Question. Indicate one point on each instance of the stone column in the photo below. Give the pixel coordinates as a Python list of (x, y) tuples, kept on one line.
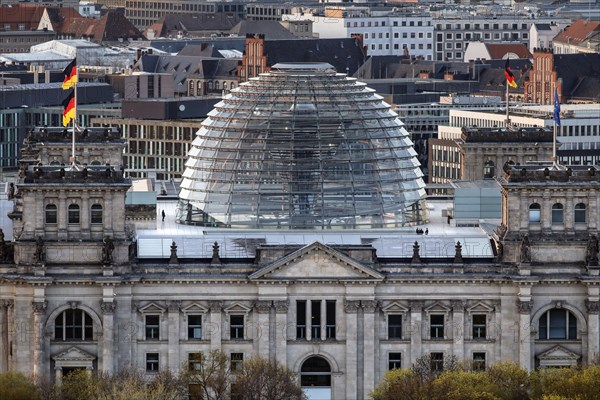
[(458, 334), (263, 338), (108, 336), (308, 319), (85, 215), (593, 309), (415, 330), (107, 215), (4, 332), (369, 346), (62, 215), (39, 310), (351, 347), (323, 319), (173, 331), (568, 216), (281, 331), (546, 210), (525, 333), (216, 324)]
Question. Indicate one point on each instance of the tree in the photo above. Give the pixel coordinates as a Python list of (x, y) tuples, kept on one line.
[(16, 386), (400, 384), (465, 385), (513, 381), (261, 379), (209, 378)]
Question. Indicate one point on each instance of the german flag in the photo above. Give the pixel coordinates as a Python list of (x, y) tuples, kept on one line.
[(70, 74), (510, 78), (69, 108)]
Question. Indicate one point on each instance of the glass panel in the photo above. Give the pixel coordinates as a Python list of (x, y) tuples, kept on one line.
[(96, 214), (394, 326), (558, 324)]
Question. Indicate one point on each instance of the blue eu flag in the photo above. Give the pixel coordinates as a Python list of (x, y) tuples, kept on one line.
[(556, 107)]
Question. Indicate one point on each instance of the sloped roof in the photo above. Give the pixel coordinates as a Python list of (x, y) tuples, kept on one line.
[(543, 27), (498, 51), (493, 78), (189, 23), (21, 14), (271, 29), (111, 27), (59, 16), (346, 55), (577, 32), (580, 75)]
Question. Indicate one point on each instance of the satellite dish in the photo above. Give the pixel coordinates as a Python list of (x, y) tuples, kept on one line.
[(181, 107)]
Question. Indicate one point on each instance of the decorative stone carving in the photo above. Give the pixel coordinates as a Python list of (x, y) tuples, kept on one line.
[(281, 306), (416, 258), (173, 258), (369, 306), (591, 256), (73, 304), (108, 307), (351, 306), (499, 251), (215, 305), (39, 307), (216, 259), (593, 307), (263, 306), (6, 303), (458, 305), (525, 250), (40, 251), (416, 305), (107, 250), (524, 306), (458, 253)]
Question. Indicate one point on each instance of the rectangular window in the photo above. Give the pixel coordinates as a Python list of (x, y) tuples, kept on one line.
[(237, 359), (195, 361), (96, 214), (152, 362), (394, 361), (479, 361), (436, 325), (301, 319), (394, 326), (330, 319), (316, 319), (437, 361), (194, 326), (479, 326), (152, 327), (236, 327)]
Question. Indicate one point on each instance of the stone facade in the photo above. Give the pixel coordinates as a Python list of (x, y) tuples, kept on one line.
[(342, 303)]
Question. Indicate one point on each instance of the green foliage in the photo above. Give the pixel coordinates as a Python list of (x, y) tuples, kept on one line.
[(463, 385), (401, 384), (16, 386), (261, 379), (513, 381)]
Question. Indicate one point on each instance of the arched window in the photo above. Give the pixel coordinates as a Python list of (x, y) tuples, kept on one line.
[(224, 85), (96, 214), (535, 213), (580, 213), (192, 88), (210, 85), (51, 214), (95, 163), (556, 324), (315, 372), (73, 324), (557, 213), (216, 85), (73, 214), (488, 170)]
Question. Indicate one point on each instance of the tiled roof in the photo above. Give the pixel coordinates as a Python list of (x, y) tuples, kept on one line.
[(580, 74), (30, 15), (111, 27), (498, 51), (194, 23), (577, 31), (271, 29)]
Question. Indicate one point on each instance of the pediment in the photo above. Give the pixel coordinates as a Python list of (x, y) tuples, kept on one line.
[(437, 307), (394, 308), (558, 352), (74, 354), (237, 308), (194, 308), (152, 308), (480, 308), (316, 261)]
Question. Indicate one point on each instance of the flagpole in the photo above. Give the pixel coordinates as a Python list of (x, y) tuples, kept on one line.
[(74, 117), (554, 160), (507, 104)]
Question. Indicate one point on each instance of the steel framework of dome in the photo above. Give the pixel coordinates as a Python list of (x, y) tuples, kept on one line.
[(302, 147)]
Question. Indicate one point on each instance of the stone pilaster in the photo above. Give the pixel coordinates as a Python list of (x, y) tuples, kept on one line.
[(108, 336), (593, 311), (39, 310), (5, 305), (173, 331), (351, 308), (62, 215), (281, 333), (458, 324), (369, 345), (308, 320), (216, 324), (524, 308), (85, 215), (263, 307), (415, 330)]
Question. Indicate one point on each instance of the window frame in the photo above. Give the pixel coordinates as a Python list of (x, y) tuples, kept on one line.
[(82, 331), (191, 328), (580, 213), (151, 328), (437, 327), (74, 214), (547, 328), (51, 210), (96, 214), (535, 213), (394, 331), (558, 214), (394, 360), (236, 361), (479, 363), (152, 364), (237, 328), (479, 330)]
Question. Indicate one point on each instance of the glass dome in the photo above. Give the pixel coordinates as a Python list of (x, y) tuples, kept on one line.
[(302, 147)]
